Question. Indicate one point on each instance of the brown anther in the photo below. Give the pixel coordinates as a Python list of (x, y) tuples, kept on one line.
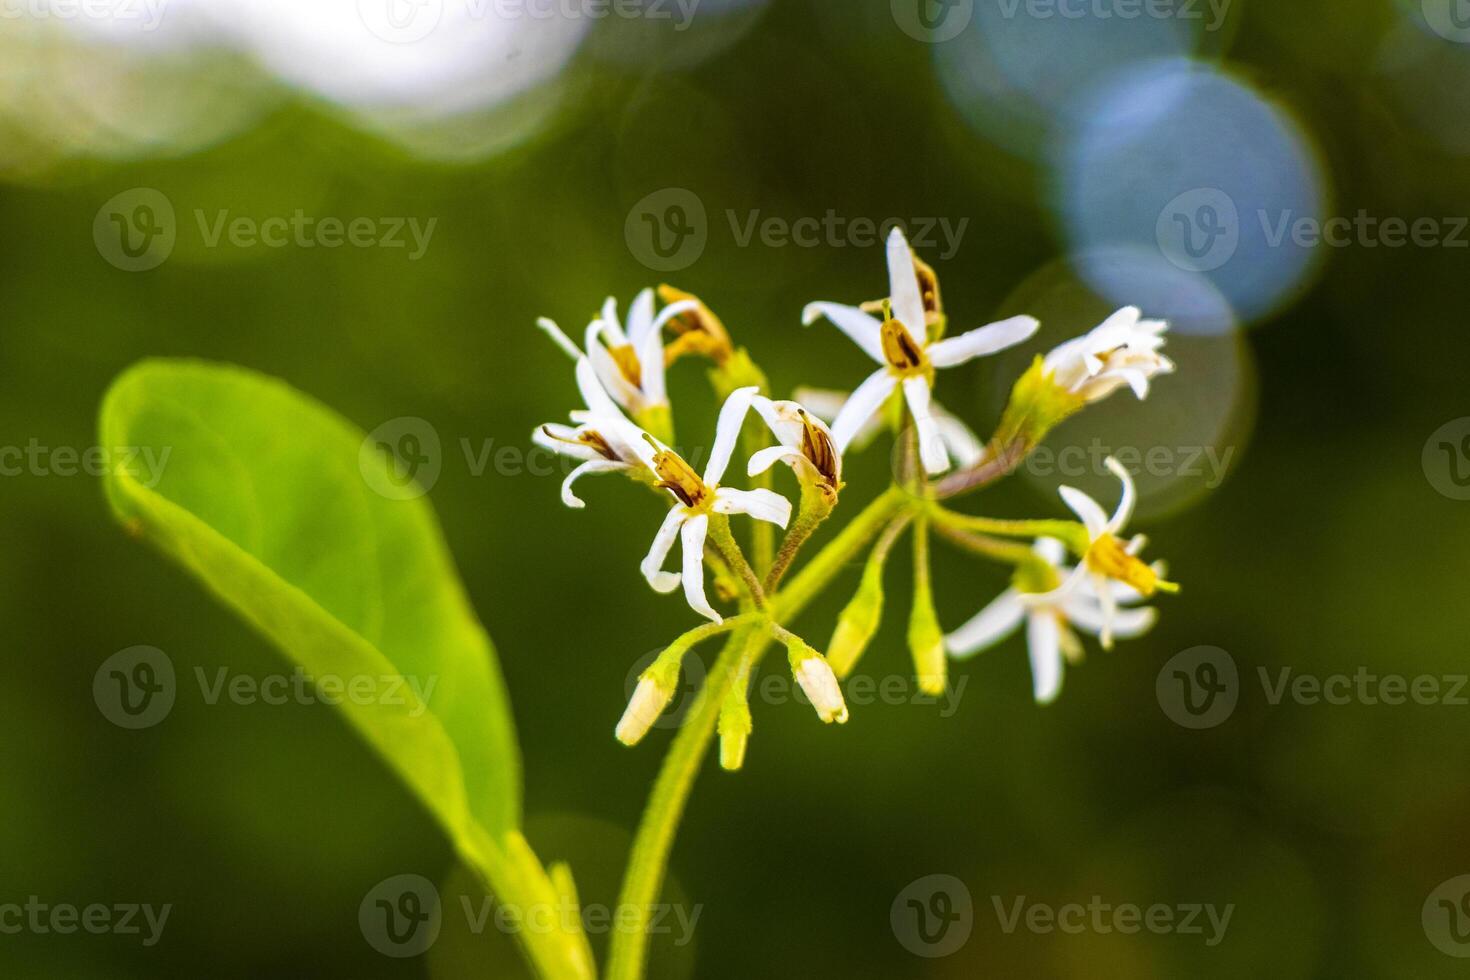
[(700, 331), (903, 353), (679, 478), (817, 446), (586, 437)]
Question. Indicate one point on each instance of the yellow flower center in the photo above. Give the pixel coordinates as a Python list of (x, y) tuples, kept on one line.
[(1108, 556), (905, 356), (626, 358), (679, 478)]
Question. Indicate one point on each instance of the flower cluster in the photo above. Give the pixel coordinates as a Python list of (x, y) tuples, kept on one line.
[(627, 427)]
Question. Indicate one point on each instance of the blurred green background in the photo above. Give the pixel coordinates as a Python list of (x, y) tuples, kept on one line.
[(1334, 542)]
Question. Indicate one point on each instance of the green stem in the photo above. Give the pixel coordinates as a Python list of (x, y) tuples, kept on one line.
[(647, 863), (1070, 533), (655, 838), (815, 508)]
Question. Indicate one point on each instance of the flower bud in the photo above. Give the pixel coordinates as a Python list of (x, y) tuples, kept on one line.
[(648, 702), (858, 622), (815, 676), (734, 728), (926, 644)]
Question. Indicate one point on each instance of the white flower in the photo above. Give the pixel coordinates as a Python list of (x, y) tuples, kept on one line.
[(965, 448), (603, 438), (901, 345), (629, 361), (1123, 349), (1049, 618), (806, 445), (695, 497), (1107, 558)]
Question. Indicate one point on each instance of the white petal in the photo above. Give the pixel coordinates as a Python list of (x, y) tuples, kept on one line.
[(931, 446), (982, 340), (561, 339), (783, 418), (591, 466), (1088, 615), (1117, 329), (640, 318), (562, 440), (762, 504), (987, 627), (727, 431), (1051, 550), (1109, 607), (1127, 501), (824, 403), (651, 368), (862, 405), (609, 375), (965, 448), (672, 310), (593, 393), (1044, 642), (903, 285), (691, 539), (610, 324), (662, 541), (1089, 510), (764, 459), (865, 330)]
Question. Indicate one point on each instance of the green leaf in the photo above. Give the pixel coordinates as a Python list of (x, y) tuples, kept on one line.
[(265, 498)]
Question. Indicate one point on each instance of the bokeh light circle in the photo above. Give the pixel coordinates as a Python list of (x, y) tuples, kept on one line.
[(1177, 158)]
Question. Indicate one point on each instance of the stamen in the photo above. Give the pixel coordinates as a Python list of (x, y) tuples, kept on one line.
[(626, 358), (1108, 556), (679, 478), (902, 352)]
